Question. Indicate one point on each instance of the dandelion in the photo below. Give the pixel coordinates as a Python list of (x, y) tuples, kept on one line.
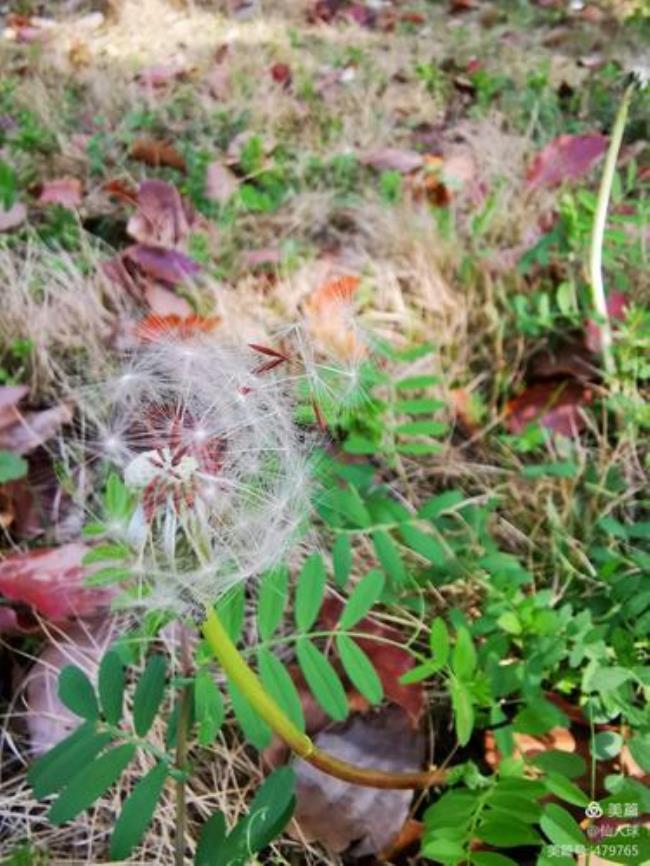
[(203, 436)]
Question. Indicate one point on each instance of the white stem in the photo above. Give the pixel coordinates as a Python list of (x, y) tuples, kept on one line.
[(599, 298)]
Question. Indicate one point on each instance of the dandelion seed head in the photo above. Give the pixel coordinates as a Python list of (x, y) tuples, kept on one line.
[(219, 470)]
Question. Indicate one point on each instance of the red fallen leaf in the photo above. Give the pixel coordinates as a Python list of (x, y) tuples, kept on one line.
[(66, 191), (361, 15), (474, 65), (617, 305), (154, 152), (265, 256), (169, 266), (555, 405), (51, 580), (410, 833), (12, 218), (121, 189), (393, 159), (164, 302), (391, 662), (281, 74), (162, 219), (567, 157), (160, 75), (413, 17), (457, 6), (220, 183), (153, 327), (352, 818)]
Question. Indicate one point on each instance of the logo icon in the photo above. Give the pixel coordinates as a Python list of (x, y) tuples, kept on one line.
[(594, 810)]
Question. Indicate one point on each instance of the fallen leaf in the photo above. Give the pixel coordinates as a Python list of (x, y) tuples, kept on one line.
[(31, 429), (410, 833), (122, 190), (281, 74), (555, 405), (526, 745), (65, 191), (264, 256), (220, 183), (51, 581), (162, 219), (391, 662), (168, 266), (392, 159), (567, 157), (48, 719), (154, 152), (353, 818), (10, 397), (155, 327), (163, 302), (160, 75), (329, 317), (12, 218)]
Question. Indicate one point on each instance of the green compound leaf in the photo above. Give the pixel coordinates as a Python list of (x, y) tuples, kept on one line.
[(322, 679), (359, 668), (271, 808), (51, 772), (309, 592), (90, 783), (76, 691), (209, 708), (342, 560), (256, 731), (280, 686), (110, 685), (423, 544), (148, 694), (463, 655), (272, 601), (461, 702), (137, 812), (364, 595), (560, 826), (388, 555), (439, 643), (211, 841)]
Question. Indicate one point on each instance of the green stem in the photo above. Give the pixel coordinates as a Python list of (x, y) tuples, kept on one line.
[(250, 686), (181, 753), (599, 297)]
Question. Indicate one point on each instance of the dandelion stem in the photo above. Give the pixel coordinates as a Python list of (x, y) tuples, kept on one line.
[(247, 682), (599, 298), (181, 752)]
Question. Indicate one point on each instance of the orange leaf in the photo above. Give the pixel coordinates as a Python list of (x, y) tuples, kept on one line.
[(154, 152), (153, 327)]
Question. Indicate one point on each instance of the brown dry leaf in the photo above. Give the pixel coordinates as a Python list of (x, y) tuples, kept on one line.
[(557, 739), (162, 219), (65, 191), (154, 152), (346, 817), (555, 405), (392, 159), (220, 183), (12, 218)]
